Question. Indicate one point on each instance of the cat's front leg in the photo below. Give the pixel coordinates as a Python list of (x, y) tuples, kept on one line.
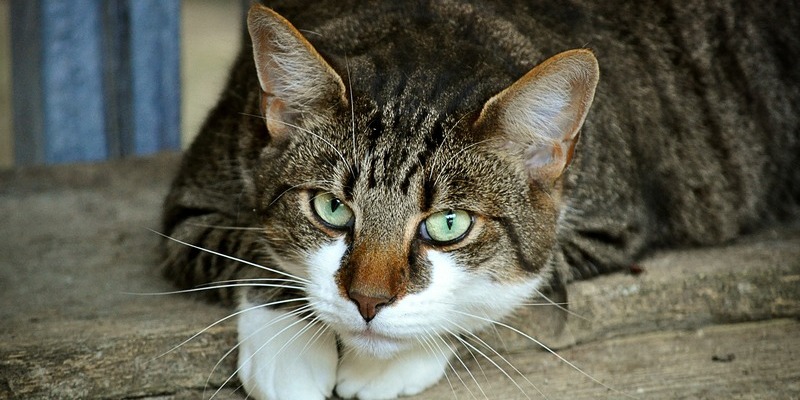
[(408, 372), (284, 357)]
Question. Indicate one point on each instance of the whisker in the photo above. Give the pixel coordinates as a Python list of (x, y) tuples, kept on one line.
[(461, 361), (221, 320), (313, 340), (216, 253), (304, 130), (254, 353), (226, 227), (549, 350), (352, 106), (434, 338), (287, 343), (495, 352), (444, 141), (200, 289), (423, 340), (561, 306), (252, 280), (318, 137), (317, 183), (446, 164), (239, 343)]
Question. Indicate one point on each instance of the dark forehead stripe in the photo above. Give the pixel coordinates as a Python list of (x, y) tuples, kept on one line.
[(397, 152), (350, 180)]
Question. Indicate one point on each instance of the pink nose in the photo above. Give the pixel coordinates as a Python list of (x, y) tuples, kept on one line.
[(368, 306)]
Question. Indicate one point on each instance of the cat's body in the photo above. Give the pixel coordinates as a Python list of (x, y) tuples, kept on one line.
[(693, 138)]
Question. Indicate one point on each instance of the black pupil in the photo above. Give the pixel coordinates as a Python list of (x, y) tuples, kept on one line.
[(335, 203), (449, 218)]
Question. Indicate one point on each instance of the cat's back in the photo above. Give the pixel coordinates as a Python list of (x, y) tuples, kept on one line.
[(693, 138)]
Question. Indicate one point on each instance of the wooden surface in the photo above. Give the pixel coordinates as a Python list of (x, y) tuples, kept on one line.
[(718, 323)]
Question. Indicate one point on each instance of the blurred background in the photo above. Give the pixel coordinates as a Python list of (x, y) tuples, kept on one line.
[(209, 40)]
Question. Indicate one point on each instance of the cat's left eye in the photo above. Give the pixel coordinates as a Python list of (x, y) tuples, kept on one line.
[(331, 210), (446, 227)]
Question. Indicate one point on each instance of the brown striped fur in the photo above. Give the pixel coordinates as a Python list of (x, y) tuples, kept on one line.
[(693, 139)]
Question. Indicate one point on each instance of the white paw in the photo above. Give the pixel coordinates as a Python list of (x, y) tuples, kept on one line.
[(409, 372), (282, 358)]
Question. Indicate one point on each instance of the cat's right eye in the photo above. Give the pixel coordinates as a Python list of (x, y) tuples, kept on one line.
[(446, 227), (332, 211)]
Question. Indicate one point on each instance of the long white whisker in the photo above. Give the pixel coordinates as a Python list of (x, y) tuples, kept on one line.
[(259, 330), (245, 280), (424, 341), (434, 337), (561, 306), (313, 340), (216, 253), (461, 361), (549, 350), (352, 106), (484, 344), (253, 355), (308, 131), (219, 321), (502, 370), (432, 342), (228, 227), (200, 289), (447, 164), (318, 137), (444, 141), (289, 341)]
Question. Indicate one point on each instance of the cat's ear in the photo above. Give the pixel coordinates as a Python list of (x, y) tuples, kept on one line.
[(539, 117), (295, 80)]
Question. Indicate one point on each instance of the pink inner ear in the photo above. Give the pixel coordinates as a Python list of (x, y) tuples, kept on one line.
[(540, 156), (541, 114), (275, 114), (548, 161)]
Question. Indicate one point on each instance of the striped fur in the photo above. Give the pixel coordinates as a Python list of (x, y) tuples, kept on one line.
[(693, 139)]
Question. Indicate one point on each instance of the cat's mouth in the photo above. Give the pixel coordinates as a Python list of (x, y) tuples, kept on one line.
[(376, 343)]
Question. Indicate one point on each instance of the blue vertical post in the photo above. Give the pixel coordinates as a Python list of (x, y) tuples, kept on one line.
[(94, 79), (155, 66), (64, 102)]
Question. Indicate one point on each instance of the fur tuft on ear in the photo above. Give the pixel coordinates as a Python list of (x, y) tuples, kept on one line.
[(539, 117), (295, 80)]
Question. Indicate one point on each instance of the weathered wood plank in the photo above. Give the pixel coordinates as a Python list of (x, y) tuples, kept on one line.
[(76, 242), (754, 360)]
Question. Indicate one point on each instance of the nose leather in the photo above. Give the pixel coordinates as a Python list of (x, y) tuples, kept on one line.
[(368, 306)]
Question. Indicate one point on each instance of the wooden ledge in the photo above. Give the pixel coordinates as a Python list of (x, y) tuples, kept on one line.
[(698, 323)]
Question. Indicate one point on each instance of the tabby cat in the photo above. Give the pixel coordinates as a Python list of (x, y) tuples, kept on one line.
[(379, 176)]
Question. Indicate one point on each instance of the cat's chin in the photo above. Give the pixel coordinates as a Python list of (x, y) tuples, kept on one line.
[(374, 344)]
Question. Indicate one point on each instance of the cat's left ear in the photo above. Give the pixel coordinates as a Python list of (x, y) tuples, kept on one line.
[(296, 81), (539, 117)]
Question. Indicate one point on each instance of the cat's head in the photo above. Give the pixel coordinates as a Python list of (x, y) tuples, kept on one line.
[(408, 221)]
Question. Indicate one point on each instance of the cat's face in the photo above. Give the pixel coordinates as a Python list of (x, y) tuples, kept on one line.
[(430, 228), (416, 223)]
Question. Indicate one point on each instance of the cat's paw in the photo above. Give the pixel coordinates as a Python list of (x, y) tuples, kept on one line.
[(281, 359), (408, 373)]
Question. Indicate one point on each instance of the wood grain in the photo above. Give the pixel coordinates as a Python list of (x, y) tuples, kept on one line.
[(77, 245)]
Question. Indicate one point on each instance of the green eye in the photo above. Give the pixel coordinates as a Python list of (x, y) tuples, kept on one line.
[(446, 227), (331, 210)]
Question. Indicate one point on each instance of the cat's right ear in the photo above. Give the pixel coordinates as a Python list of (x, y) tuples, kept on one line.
[(538, 118), (296, 82)]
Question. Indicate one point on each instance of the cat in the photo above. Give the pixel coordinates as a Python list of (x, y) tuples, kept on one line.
[(378, 177)]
